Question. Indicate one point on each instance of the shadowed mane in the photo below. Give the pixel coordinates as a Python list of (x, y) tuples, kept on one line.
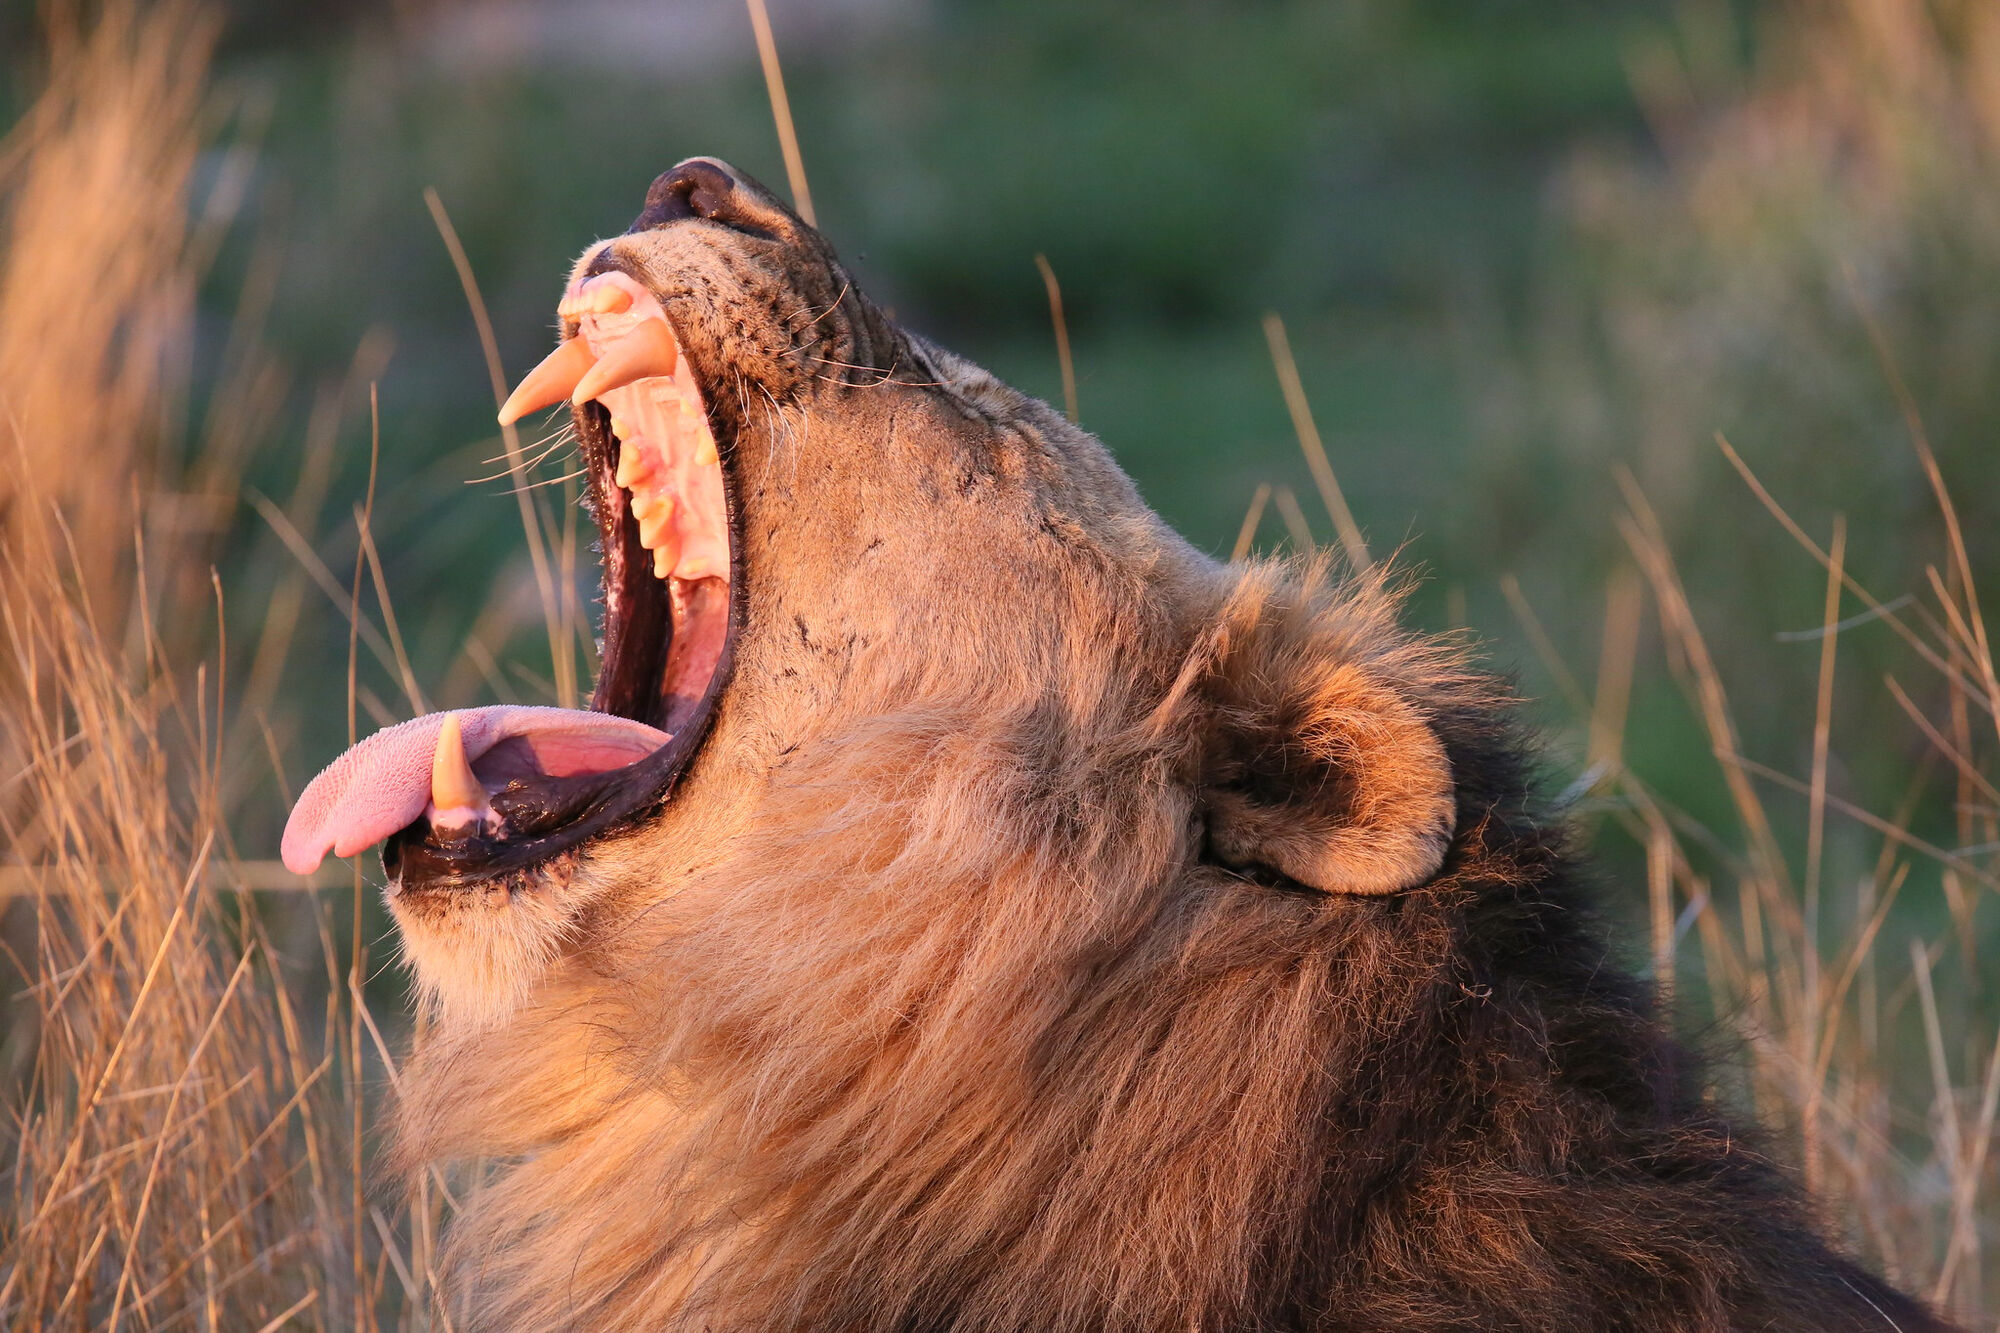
[(970, 1033)]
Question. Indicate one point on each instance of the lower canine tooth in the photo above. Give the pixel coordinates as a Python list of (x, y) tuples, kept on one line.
[(455, 788)]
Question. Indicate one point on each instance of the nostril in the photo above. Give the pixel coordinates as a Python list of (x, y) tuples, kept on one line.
[(705, 202), (708, 194)]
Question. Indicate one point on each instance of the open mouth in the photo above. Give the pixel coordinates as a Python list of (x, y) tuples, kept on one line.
[(467, 797)]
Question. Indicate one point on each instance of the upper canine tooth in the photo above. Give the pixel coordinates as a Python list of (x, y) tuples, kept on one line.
[(550, 382), (647, 350)]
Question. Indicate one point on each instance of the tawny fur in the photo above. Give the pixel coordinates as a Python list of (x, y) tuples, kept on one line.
[(1061, 932)]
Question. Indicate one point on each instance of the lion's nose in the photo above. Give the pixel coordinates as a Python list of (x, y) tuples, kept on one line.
[(703, 187)]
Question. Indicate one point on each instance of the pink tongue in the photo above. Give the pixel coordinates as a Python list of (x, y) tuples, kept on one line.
[(384, 783)]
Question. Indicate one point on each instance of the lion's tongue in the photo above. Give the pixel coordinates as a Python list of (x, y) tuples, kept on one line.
[(384, 783)]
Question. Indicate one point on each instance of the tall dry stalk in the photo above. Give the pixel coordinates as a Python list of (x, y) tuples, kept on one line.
[(1837, 955), (1809, 256), (1869, 1033)]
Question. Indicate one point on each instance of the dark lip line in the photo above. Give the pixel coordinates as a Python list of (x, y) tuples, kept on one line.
[(579, 809)]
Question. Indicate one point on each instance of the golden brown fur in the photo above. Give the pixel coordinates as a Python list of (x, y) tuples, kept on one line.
[(1059, 931)]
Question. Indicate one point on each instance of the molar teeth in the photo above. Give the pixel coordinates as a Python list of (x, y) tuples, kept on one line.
[(621, 428), (633, 465), (665, 543), (653, 518), (704, 452)]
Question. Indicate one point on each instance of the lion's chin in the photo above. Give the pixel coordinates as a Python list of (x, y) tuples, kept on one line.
[(477, 953)]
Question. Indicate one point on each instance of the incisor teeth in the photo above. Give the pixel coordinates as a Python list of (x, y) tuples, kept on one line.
[(604, 298), (550, 382), (646, 351), (596, 297), (454, 786)]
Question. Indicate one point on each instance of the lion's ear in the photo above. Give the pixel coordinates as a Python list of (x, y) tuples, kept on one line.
[(1346, 790)]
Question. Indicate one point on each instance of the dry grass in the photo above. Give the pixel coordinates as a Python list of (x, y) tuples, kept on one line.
[(92, 349), (1810, 257), (191, 1069), (178, 1157), (185, 1140), (1825, 987)]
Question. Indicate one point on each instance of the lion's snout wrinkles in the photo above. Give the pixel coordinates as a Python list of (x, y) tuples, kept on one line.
[(1049, 928)]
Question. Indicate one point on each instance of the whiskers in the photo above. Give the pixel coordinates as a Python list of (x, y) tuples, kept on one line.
[(560, 445), (811, 319), (883, 378)]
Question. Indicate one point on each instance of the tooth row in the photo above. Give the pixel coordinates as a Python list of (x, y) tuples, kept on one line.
[(626, 359)]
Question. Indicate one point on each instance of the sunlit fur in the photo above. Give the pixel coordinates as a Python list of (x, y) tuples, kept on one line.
[(1060, 931), (477, 956)]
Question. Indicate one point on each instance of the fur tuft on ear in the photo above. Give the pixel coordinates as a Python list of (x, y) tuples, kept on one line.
[(1320, 764)]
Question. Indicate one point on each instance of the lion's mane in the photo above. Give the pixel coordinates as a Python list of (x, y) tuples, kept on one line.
[(968, 1032)]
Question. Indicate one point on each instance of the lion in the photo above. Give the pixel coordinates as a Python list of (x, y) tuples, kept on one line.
[(968, 906)]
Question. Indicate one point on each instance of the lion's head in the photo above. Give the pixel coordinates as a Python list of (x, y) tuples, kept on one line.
[(941, 867), (816, 528)]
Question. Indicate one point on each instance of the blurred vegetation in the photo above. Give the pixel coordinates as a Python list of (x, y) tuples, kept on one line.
[(1378, 173), (1533, 257)]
